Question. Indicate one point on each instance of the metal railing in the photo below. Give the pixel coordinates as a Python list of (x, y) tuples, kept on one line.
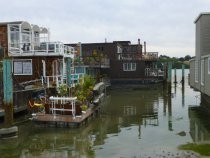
[(150, 72), (150, 56), (52, 81), (44, 48)]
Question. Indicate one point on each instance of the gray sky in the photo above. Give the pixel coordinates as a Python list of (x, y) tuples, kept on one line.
[(166, 25)]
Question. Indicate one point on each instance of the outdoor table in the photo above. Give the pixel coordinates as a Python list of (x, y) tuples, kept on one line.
[(63, 100)]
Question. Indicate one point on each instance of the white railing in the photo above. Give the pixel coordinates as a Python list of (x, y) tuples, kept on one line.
[(62, 101), (150, 56), (44, 48), (52, 81), (153, 72)]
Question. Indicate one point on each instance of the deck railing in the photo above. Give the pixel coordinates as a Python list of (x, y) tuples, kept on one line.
[(62, 101), (150, 56), (52, 81), (150, 72), (44, 48)]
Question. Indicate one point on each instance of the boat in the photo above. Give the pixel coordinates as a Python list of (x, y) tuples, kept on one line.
[(8, 132), (99, 92)]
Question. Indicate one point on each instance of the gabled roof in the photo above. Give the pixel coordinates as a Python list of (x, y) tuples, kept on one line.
[(204, 13)]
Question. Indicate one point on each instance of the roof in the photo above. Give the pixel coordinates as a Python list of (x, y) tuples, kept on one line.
[(199, 16), (11, 22), (26, 25)]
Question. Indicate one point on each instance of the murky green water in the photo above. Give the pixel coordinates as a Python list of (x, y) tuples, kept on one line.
[(133, 123)]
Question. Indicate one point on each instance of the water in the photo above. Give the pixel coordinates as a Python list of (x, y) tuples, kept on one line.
[(143, 122)]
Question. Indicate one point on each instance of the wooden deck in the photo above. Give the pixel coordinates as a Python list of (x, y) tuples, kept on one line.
[(65, 120)]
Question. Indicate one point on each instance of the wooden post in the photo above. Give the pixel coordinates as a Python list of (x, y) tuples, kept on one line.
[(169, 72), (68, 68), (8, 91), (175, 79), (183, 99), (169, 78), (183, 67)]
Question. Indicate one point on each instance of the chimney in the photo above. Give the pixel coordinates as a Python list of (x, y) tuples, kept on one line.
[(145, 47), (138, 41)]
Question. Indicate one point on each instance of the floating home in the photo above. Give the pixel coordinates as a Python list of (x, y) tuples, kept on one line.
[(120, 61), (35, 62), (200, 65), (35, 66)]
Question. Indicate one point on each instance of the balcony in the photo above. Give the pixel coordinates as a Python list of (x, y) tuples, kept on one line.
[(25, 39), (150, 56), (44, 49), (100, 63)]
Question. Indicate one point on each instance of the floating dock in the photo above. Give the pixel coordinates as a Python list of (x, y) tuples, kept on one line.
[(59, 120)]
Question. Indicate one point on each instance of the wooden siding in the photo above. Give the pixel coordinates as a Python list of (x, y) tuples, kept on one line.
[(36, 68), (3, 37), (206, 78), (192, 73), (202, 36), (108, 49), (117, 70)]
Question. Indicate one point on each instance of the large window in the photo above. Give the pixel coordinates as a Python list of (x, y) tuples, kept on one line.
[(202, 72), (129, 66), (22, 67), (14, 36), (196, 71)]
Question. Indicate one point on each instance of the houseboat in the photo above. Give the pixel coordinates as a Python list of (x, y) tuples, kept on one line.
[(37, 63), (200, 65), (120, 61)]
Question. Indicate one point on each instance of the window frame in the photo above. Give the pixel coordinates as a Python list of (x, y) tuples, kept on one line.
[(129, 66), (22, 67)]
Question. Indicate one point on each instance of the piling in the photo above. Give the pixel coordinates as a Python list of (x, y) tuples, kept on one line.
[(169, 78), (8, 91), (182, 81), (183, 68), (175, 79)]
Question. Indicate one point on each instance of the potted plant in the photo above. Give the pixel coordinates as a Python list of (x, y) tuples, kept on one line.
[(63, 90)]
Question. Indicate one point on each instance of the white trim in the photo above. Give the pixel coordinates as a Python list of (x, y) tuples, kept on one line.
[(202, 72), (44, 68), (196, 71), (129, 66)]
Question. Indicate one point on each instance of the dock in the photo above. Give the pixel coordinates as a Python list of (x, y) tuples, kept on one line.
[(59, 120)]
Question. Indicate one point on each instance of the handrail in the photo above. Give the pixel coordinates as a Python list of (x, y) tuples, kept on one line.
[(47, 48), (63, 100)]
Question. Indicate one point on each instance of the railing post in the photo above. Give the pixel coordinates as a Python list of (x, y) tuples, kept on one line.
[(57, 83), (48, 82), (175, 80)]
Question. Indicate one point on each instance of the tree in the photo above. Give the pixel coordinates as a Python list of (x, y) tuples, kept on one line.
[(187, 57)]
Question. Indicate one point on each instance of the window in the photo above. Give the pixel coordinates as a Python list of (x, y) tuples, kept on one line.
[(22, 67), (14, 36), (129, 66), (196, 71), (202, 72), (209, 65)]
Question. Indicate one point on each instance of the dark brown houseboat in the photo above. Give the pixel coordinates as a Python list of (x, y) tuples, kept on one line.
[(128, 64)]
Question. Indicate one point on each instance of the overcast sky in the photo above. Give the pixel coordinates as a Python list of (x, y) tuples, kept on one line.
[(166, 25)]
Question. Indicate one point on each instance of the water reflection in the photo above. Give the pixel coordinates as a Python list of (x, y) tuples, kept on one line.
[(132, 121), (199, 124)]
